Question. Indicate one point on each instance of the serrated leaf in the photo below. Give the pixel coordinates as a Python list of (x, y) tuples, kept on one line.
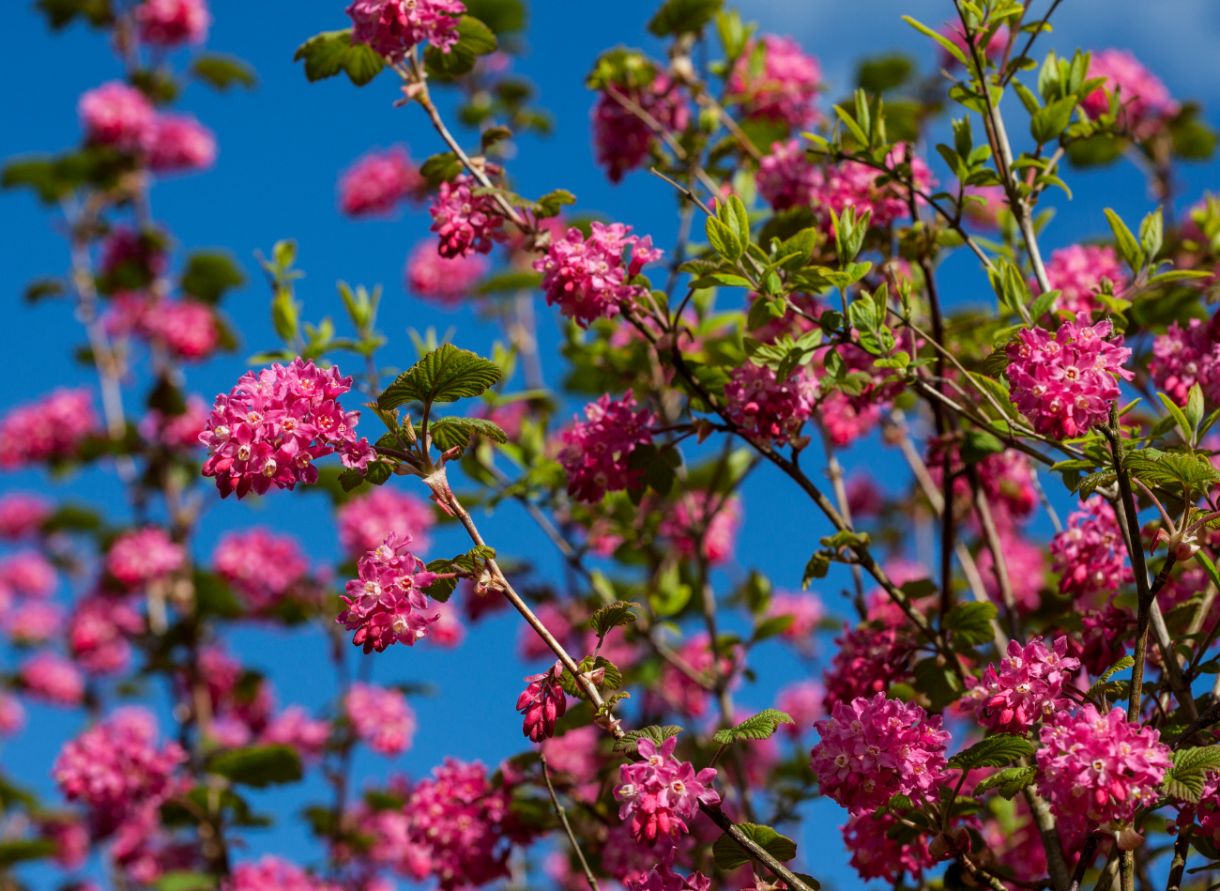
[(222, 72), (761, 726), (1185, 784), (728, 854), (1206, 758), (441, 168), (683, 16), (331, 52), (1122, 664), (446, 374), (971, 623), (657, 734), (258, 766), (621, 612), (1008, 782), (994, 751), (474, 39), (449, 432), (473, 562)]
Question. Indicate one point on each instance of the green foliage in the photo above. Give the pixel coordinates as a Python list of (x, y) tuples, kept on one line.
[(53, 178), (223, 72), (1048, 123), (971, 623), (1009, 781), (333, 52), (994, 751), (450, 432), (936, 681), (882, 73), (683, 16), (24, 850), (473, 563), (501, 16), (628, 744), (1185, 780), (760, 726), (609, 617), (729, 854), (209, 274), (185, 881), (258, 766), (474, 39), (446, 374), (62, 13)]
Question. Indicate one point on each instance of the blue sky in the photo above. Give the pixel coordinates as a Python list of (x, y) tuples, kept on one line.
[(281, 149)]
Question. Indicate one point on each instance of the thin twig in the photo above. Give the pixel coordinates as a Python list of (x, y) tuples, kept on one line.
[(563, 818)]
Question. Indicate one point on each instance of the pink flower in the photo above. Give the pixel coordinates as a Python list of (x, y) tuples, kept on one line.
[(986, 213), (98, 632), (588, 278), (575, 754), (1100, 767), (863, 497), (803, 701), (1026, 563), (874, 855), (180, 143), (378, 182), (263, 566), (846, 421), (1065, 382), (456, 819), (176, 431), (659, 792), (273, 874), (1028, 687), (447, 280), (1183, 357), (28, 574), (136, 256), (766, 409), (71, 840), (542, 703), (385, 605), (144, 555), (621, 140), (595, 453), (806, 612), (366, 520), (786, 178), (1146, 102), (682, 692), (273, 425), (391, 27), (22, 514), (953, 30), (293, 727), (51, 677), (12, 715), (466, 223), (873, 749), (380, 717), (118, 115), (1077, 271), (186, 328), (447, 630), (1090, 554), (172, 22), (783, 88), (688, 524), (663, 878), (34, 622), (852, 184), (1104, 633), (48, 430)]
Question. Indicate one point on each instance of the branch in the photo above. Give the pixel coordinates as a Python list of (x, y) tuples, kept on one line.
[(563, 818)]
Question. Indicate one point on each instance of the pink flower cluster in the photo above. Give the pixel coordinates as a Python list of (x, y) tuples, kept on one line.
[(867, 661), (22, 514), (293, 727), (1146, 102), (684, 694), (366, 520), (180, 143), (1100, 767), (803, 701), (392, 27), (274, 874), (875, 748), (595, 451), (806, 611), (1028, 687), (172, 22), (688, 521), (34, 621), (620, 139), (1105, 632), (98, 633), (1090, 554), (1077, 271), (542, 703), (187, 328), (144, 555), (273, 425), (784, 89), (263, 566), (456, 823), (874, 855), (1065, 381), (447, 280), (385, 605), (28, 573), (381, 718), (47, 430), (663, 878), (116, 768), (121, 117), (587, 278), (49, 676), (1183, 357), (766, 409), (378, 182), (466, 223), (659, 792)]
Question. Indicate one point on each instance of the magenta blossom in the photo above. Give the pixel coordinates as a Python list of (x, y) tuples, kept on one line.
[(180, 143), (274, 874), (588, 278), (620, 138), (1183, 357), (50, 429), (378, 182), (22, 514), (783, 88), (392, 27), (52, 678), (173, 22), (1145, 101), (144, 555), (263, 566), (1027, 688), (98, 634), (688, 525), (766, 409), (466, 223), (447, 280), (381, 718), (1077, 271), (542, 703), (659, 792), (119, 116), (595, 453), (385, 605), (1090, 554), (366, 520), (875, 855)]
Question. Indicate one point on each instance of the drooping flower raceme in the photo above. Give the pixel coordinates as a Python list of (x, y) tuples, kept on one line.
[(767, 409), (173, 22), (262, 566), (1028, 687), (1064, 382), (1183, 357), (447, 280), (50, 429), (1077, 271), (144, 555), (1100, 767), (659, 793), (1090, 554), (786, 86), (118, 116), (595, 451), (587, 278), (381, 718), (542, 703), (620, 138), (663, 878), (391, 27), (875, 748), (273, 425), (385, 605), (377, 182), (466, 223)]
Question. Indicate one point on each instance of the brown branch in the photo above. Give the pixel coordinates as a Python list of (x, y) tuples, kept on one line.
[(563, 818)]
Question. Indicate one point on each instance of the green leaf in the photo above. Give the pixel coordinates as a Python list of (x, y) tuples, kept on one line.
[(473, 563), (877, 75), (937, 682), (724, 240), (185, 881), (949, 46), (1009, 781), (971, 623), (441, 168), (606, 619), (1194, 408), (552, 203), (761, 726), (222, 72), (61, 13), (209, 274), (768, 628), (1042, 304), (1152, 234), (1122, 664), (19, 851), (1128, 247), (332, 52), (728, 854), (258, 766), (214, 597), (1204, 758), (994, 751), (657, 734), (683, 16), (446, 374), (1184, 785), (474, 39), (510, 281), (449, 432), (1047, 123), (816, 568)]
